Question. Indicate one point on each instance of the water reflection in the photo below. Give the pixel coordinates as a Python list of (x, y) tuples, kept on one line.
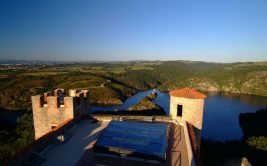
[(221, 111), (127, 103), (163, 99), (220, 121), (221, 114), (246, 98)]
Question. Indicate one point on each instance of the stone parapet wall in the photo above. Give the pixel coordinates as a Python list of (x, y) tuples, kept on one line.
[(190, 154), (194, 144), (132, 117)]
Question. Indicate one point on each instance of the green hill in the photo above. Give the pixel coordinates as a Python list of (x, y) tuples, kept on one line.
[(248, 78), (146, 104), (126, 78)]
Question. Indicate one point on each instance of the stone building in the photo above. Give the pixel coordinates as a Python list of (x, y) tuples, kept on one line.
[(188, 105), (156, 140), (53, 108)]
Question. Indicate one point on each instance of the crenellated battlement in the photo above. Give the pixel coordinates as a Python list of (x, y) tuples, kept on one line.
[(60, 98), (52, 108), (78, 93)]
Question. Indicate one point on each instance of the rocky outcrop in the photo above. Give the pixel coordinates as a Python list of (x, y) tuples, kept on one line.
[(207, 86), (249, 83), (109, 102), (256, 83), (146, 103)]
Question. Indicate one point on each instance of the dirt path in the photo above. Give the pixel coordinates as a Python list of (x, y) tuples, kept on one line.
[(107, 81)]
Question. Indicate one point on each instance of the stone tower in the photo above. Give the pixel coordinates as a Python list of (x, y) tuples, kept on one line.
[(53, 108), (188, 105)]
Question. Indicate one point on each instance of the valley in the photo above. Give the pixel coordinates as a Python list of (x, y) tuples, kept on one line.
[(111, 83)]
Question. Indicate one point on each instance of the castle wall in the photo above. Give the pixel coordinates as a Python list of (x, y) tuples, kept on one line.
[(53, 109), (86, 106), (40, 117)]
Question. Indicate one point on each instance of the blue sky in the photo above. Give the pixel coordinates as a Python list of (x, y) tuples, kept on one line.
[(206, 30)]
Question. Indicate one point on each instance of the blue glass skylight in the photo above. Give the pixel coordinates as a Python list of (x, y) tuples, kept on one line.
[(134, 137)]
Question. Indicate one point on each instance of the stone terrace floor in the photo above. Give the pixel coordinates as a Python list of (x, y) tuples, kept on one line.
[(85, 134), (78, 150)]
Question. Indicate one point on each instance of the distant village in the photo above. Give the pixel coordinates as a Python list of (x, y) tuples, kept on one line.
[(20, 67)]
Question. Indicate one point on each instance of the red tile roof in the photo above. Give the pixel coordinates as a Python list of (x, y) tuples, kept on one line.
[(187, 93)]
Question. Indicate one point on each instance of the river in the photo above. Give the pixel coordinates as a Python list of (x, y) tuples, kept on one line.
[(221, 111)]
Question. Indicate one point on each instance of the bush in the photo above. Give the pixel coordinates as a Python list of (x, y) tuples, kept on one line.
[(259, 143)]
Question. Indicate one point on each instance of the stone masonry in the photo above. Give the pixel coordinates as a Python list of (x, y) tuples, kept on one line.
[(53, 108), (192, 103), (192, 110)]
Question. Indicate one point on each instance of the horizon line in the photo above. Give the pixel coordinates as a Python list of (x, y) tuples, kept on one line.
[(109, 61)]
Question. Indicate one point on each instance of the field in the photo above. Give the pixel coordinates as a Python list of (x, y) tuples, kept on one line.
[(111, 83)]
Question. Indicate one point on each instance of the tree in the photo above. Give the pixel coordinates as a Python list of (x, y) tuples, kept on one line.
[(25, 131)]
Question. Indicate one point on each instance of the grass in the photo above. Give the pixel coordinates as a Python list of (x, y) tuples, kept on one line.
[(104, 96), (16, 91), (45, 73), (117, 70), (141, 68), (127, 77), (82, 82)]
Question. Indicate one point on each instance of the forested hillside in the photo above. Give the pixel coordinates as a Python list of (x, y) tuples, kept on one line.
[(111, 83), (249, 78)]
